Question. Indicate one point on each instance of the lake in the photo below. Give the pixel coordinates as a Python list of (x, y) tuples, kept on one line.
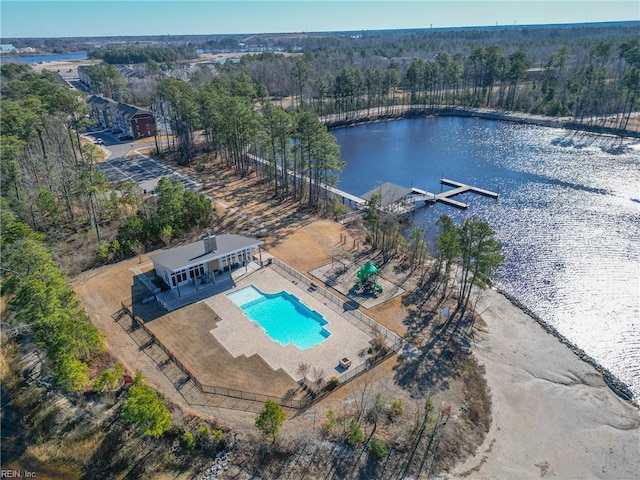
[(52, 57), (568, 215)]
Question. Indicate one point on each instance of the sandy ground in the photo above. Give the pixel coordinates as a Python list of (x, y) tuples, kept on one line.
[(67, 68), (553, 415)]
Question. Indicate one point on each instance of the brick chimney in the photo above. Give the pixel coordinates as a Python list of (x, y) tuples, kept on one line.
[(210, 244)]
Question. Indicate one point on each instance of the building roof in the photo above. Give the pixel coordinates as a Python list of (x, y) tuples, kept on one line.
[(101, 102), (129, 111), (390, 192), (195, 253), (124, 109)]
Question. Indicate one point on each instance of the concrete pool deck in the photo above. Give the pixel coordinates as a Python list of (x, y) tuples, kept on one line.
[(243, 337)]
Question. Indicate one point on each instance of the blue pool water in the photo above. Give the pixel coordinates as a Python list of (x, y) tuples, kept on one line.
[(284, 318)]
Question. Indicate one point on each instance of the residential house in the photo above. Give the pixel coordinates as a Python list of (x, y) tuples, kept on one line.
[(135, 121), (102, 110)]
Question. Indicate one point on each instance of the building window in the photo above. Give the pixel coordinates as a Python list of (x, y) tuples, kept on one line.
[(178, 277), (197, 271)]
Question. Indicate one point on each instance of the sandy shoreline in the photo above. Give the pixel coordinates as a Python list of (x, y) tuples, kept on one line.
[(614, 383), (553, 413)]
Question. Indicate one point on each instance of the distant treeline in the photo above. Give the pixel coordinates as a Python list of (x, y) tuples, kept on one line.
[(135, 54), (586, 73)]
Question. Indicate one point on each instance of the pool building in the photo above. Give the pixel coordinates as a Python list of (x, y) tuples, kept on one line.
[(200, 261)]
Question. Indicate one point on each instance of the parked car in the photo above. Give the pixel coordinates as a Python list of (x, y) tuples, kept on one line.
[(124, 138), (116, 131), (99, 141)]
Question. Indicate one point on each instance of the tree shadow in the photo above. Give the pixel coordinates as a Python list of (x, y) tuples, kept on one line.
[(107, 450), (442, 356)]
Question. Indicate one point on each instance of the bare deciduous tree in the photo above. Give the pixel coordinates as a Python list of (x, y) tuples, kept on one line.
[(318, 373), (303, 369)]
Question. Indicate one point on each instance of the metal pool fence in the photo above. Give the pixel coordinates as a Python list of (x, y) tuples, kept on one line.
[(355, 317)]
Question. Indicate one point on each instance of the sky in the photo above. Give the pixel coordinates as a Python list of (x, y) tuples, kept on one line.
[(62, 18)]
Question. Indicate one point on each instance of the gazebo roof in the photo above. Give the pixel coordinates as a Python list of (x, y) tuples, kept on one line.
[(389, 192)]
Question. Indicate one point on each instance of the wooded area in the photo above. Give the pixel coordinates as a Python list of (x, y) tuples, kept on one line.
[(237, 111), (134, 54)]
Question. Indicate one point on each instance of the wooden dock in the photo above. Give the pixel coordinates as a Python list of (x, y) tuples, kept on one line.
[(445, 197), (357, 201), (463, 187), (408, 201)]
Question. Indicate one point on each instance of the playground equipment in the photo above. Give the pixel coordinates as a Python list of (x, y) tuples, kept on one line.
[(367, 276)]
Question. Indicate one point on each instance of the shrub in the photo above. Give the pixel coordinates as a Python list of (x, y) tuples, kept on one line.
[(355, 434), (108, 380), (379, 344), (379, 401), (71, 373), (103, 253), (333, 383), (377, 449), (210, 437), (145, 410), (188, 441), (216, 438), (115, 247), (331, 423), (270, 420), (335, 207), (396, 409)]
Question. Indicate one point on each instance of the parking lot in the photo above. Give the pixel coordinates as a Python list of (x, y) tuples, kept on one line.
[(126, 164), (142, 170)]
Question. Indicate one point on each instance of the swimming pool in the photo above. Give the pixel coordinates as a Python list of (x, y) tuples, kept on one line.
[(283, 317)]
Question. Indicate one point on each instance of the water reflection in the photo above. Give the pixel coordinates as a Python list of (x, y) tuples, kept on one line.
[(568, 215)]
